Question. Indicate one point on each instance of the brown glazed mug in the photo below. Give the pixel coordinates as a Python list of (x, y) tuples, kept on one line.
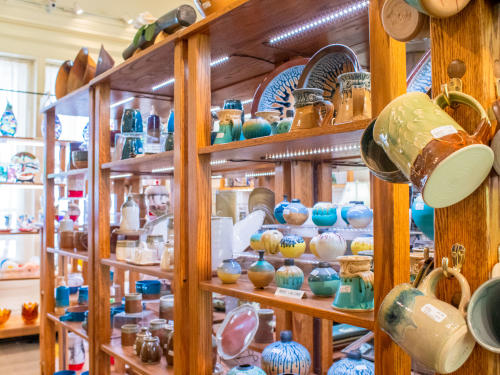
[(311, 110), (80, 240)]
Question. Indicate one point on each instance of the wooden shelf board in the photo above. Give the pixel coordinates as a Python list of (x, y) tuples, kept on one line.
[(311, 305), (76, 103), (11, 276), (142, 164), (15, 327), (23, 185), (71, 172), (17, 233), (26, 141), (127, 355), (75, 327), (147, 270), (83, 255)]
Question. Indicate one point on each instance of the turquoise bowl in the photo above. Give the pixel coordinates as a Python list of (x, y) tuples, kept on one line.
[(256, 128), (323, 280), (289, 276), (423, 216)]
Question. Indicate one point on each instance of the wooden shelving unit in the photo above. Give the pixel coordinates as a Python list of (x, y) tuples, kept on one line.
[(301, 162), (75, 327), (83, 255), (15, 327), (11, 276)]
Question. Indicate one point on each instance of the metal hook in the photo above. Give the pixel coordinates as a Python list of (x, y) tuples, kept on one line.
[(458, 256), (446, 95), (444, 266)]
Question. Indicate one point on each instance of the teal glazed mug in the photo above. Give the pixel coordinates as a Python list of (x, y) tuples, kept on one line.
[(355, 291), (431, 149)]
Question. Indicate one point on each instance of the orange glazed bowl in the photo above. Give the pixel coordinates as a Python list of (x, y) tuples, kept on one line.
[(29, 312), (4, 315)]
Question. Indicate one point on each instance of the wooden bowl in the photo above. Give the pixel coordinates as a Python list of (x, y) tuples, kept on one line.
[(82, 72), (104, 61), (62, 78)]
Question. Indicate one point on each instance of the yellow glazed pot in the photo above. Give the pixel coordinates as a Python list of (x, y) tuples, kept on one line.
[(431, 149)]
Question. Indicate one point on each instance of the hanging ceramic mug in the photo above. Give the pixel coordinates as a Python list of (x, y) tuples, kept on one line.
[(432, 331), (438, 8), (311, 110), (431, 149)]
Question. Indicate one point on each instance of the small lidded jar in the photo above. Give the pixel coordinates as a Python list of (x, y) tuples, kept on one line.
[(151, 351), (158, 328), (139, 340), (133, 303), (129, 333), (167, 307)]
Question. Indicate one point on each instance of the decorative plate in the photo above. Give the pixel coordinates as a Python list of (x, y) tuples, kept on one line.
[(275, 92), (25, 166), (420, 79), (326, 65)]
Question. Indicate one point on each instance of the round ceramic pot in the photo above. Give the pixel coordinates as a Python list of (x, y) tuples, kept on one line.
[(356, 284), (289, 276), (256, 128), (285, 125), (151, 351), (261, 273), (324, 214), (354, 364), (256, 240), (139, 340), (345, 208), (328, 246), (423, 216), (431, 149), (323, 280), (311, 110), (362, 243), (229, 271), (131, 121), (270, 240), (295, 213), (286, 356), (359, 216), (272, 117), (292, 246), (279, 208), (246, 370)]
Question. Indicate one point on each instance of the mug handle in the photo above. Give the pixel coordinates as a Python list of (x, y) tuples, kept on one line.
[(428, 286), (484, 130), (328, 107)]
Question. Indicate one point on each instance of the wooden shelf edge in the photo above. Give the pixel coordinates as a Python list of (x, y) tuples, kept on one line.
[(149, 161), (67, 98), (75, 327), (15, 327), (14, 276), (68, 253), (71, 172), (147, 270)]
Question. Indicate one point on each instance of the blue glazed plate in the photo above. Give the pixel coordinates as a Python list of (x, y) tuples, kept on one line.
[(420, 79), (275, 92)]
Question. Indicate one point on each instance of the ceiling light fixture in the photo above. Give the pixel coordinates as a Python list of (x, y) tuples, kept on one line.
[(260, 174), (219, 61), (334, 16), (166, 169), (124, 101)]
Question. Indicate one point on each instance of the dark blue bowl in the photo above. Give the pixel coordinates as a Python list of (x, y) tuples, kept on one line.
[(148, 288)]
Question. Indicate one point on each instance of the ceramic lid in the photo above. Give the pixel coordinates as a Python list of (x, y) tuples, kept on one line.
[(237, 331)]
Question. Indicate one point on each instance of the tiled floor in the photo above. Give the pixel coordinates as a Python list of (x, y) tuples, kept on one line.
[(20, 357)]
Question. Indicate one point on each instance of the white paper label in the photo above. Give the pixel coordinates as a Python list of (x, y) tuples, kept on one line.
[(433, 313), (360, 368), (220, 135), (345, 289), (443, 130), (290, 293)]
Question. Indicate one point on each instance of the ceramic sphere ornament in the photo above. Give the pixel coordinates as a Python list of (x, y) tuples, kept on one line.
[(261, 272), (286, 357), (256, 128), (324, 281), (256, 241), (362, 243), (229, 271), (359, 216), (289, 276), (354, 364), (270, 240), (295, 213), (292, 246), (324, 214), (279, 208), (329, 245)]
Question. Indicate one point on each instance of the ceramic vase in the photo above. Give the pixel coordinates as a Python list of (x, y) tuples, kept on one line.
[(328, 246), (286, 356), (279, 208), (131, 121), (261, 272), (292, 246), (237, 105), (229, 271), (345, 208), (423, 216), (295, 213), (359, 216), (324, 214), (323, 280), (29, 312), (130, 219), (256, 240), (289, 276), (4, 315), (246, 370), (354, 364), (270, 240), (362, 243), (272, 117), (230, 125), (256, 128), (285, 125)]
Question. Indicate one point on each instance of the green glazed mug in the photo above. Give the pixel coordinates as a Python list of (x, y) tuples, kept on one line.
[(431, 149)]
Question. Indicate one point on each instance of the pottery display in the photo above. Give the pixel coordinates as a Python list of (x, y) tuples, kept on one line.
[(79, 159), (229, 271), (272, 117), (275, 91), (139, 340), (229, 126), (169, 138), (150, 289), (235, 104), (416, 262), (353, 364), (158, 328), (167, 307), (104, 61), (311, 110), (286, 356), (356, 284), (328, 246), (150, 350), (8, 122), (261, 272), (157, 198), (432, 331), (61, 296), (62, 79), (29, 312), (345, 208), (362, 243), (439, 9), (355, 93), (255, 128), (270, 240), (403, 22), (130, 215), (423, 216), (82, 70), (74, 314), (133, 303), (4, 315), (292, 246), (128, 334), (295, 213), (289, 276), (285, 125), (262, 199), (131, 121), (83, 295), (438, 152), (323, 280), (26, 166), (265, 331), (324, 214), (359, 215), (256, 240), (246, 370), (279, 208)]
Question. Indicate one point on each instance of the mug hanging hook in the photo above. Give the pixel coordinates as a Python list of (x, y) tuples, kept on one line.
[(444, 266), (458, 256)]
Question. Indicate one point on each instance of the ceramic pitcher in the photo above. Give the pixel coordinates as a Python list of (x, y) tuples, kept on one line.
[(355, 292), (230, 126), (355, 97), (311, 110), (431, 149), (430, 330)]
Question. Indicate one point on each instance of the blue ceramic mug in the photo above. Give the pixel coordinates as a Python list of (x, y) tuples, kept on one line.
[(83, 295), (74, 314), (62, 296), (150, 289)]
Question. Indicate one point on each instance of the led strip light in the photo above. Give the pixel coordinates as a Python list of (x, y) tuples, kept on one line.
[(166, 169), (218, 162), (352, 147), (260, 174)]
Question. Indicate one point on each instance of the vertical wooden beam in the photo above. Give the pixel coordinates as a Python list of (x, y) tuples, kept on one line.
[(325, 345), (323, 177), (302, 183), (390, 201), (472, 36), (47, 269), (200, 207), (282, 181), (181, 220)]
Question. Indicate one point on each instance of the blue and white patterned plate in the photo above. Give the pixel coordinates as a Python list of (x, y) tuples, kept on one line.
[(420, 79)]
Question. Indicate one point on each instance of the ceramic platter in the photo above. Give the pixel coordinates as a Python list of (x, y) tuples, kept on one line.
[(420, 79), (326, 65), (275, 92)]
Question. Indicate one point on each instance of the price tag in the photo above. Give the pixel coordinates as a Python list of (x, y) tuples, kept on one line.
[(290, 293), (345, 289), (219, 135), (443, 130), (433, 313)]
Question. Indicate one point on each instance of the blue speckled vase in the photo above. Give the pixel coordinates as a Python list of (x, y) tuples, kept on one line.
[(286, 356), (131, 121), (246, 370), (324, 214), (359, 215), (324, 280), (289, 276), (278, 210), (354, 364)]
